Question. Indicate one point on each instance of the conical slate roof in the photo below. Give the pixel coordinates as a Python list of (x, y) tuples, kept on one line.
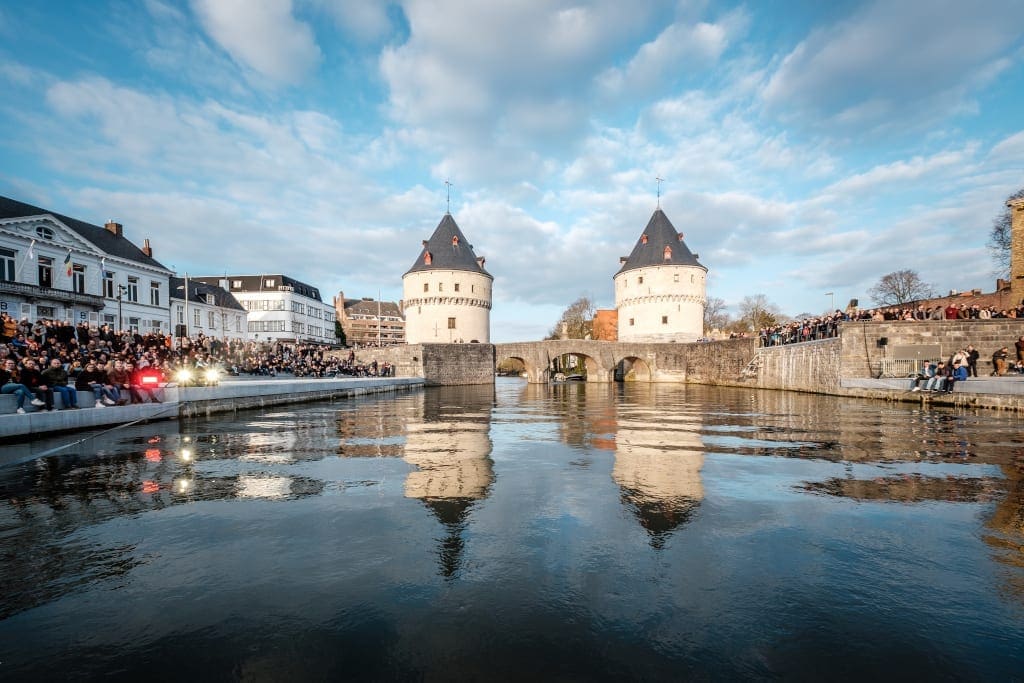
[(660, 233), (447, 249)]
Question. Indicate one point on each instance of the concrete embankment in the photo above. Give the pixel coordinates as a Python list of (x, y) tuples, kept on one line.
[(194, 401)]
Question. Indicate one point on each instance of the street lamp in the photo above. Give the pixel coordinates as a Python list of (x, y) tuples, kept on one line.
[(185, 287), (121, 290), (833, 295)]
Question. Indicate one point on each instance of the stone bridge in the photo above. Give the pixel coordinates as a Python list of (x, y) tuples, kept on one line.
[(605, 361)]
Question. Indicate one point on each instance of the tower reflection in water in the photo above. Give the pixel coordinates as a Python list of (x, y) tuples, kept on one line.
[(445, 434), (658, 458)]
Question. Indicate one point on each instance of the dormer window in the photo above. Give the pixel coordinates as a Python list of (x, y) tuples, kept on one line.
[(44, 233), (427, 258), (668, 252), (680, 237), (643, 238), (455, 240)]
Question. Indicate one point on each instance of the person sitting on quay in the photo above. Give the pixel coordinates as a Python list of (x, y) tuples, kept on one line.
[(999, 361), (937, 382), (119, 378), (95, 380), (33, 379), (926, 373), (57, 377), (10, 384)]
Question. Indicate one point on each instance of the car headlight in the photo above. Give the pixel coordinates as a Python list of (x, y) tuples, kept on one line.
[(212, 375), (183, 376)]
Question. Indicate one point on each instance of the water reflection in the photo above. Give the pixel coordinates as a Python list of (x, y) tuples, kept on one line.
[(658, 458)]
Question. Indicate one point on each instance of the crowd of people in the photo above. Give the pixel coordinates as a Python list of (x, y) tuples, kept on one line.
[(45, 358), (823, 327)]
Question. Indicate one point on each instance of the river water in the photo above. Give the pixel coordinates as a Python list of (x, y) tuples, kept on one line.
[(572, 532)]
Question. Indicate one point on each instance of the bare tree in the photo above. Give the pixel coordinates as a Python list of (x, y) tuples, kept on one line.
[(757, 312), (715, 315), (999, 237), (900, 287), (577, 320)]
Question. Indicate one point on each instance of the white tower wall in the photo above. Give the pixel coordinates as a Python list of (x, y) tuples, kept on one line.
[(661, 303), (443, 306)]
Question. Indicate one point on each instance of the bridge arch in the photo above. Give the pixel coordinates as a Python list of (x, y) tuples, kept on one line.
[(633, 369)]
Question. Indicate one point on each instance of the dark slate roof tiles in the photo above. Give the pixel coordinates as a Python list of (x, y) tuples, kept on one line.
[(448, 249), (198, 290), (660, 233)]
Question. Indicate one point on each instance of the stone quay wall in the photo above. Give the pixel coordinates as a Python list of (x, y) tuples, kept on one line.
[(436, 364), (718, 362)]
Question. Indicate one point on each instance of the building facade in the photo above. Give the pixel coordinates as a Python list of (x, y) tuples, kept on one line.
[(367, 322), (60, 268), (447, 292), (210, 309), (280, 308), (661, 288)]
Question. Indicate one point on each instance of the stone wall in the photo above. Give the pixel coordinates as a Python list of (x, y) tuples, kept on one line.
[(437, 364), (810, 366), (718, 362), (862, 356)]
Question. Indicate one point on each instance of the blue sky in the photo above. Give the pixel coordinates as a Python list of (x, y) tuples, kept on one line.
[(806, 147)]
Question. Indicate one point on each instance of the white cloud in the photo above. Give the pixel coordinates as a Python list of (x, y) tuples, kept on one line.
[(263, 36), (1009, 149), (362, 20), (896, 59)]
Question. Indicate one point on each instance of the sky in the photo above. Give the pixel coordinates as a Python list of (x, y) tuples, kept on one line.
[(806, 148)]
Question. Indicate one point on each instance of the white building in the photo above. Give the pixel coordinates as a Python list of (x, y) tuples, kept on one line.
[(447, 292), (60, 268), (209, 309), (280, 308), (661, 288)]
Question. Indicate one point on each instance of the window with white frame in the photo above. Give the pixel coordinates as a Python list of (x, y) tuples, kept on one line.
[(196, 319), (133, 289), (181, 314), (8, 257), (78, 278), (154, 293), (212, 319), (108, 284)]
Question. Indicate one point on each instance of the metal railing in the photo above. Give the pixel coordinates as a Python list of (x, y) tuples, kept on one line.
[(899, 367), (37, 293)]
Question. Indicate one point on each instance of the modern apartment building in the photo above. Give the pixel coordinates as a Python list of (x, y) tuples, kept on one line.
[(280, 308), (368, 322), (200, 307)]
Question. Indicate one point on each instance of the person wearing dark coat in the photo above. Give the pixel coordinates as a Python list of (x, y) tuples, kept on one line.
[(33, 379)]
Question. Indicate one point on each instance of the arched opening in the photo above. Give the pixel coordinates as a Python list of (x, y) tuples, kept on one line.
[(511, 366), (573, 367), (632, 369)]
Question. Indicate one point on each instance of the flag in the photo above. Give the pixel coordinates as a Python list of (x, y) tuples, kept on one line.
[(103, 267), (31, 254), (67, 262)]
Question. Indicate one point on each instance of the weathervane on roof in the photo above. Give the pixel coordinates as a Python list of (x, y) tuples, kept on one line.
[(660, 181), (448, 197)]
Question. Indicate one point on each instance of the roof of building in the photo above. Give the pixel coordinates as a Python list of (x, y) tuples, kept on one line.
[(650, 246), (258, 283), (448, 249), (197, 292), (105, 240), (369, 307)]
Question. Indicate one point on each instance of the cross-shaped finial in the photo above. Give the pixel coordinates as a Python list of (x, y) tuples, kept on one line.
[(660, 181), (448, 196)]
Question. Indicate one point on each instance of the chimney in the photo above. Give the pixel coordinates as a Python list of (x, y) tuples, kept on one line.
[(114, 228), (1016, 207), (146, 249)]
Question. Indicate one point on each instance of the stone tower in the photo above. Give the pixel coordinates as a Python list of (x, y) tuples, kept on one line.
[(1016, 248), (447, 292), (661, 288)]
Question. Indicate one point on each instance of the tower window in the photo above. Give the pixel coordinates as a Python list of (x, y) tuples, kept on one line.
[(664, 320), (426, 286), (427, 258), (640, 280), (675, 277), (440, 286), (456, 286), (668, 252), (631, 322), (643, 238), (451, 323)]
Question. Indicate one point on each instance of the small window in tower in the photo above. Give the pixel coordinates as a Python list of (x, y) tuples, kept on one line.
[(675, 277), (472, 289), (691, 279), (451, 323), (427, 258), (631, 322), (426, 286), (456, 286), (440, 286), (643, 238), (668, 252), (455, 240), (640, 280), (664, 320)]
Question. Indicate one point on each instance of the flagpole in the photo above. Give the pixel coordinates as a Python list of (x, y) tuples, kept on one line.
[(29, 256)]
